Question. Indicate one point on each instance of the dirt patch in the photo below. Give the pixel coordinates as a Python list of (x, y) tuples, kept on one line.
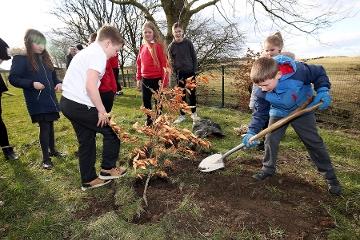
[(284, 206)]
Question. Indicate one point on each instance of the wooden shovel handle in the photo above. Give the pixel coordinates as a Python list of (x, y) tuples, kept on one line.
[(299, 111)]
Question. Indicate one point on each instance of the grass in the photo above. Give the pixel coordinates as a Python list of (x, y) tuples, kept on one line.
[(39, 204)]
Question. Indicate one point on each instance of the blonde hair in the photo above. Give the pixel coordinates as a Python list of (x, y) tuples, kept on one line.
[(262, 69), (157, 39), (275, 40), (34, 36), (107, 32)]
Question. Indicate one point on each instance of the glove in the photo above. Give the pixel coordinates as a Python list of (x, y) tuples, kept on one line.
[(246, 138), (322, 94)]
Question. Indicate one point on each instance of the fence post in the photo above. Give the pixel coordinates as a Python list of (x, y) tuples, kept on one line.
[(222, 86)]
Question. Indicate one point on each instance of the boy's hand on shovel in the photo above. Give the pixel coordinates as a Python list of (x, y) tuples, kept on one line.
[(246, 140)]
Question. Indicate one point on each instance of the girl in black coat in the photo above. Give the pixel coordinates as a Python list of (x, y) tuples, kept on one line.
[(33, 71), (4, 139)]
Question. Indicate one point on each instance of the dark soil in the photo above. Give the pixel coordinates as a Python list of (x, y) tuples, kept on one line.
[(234, 201)]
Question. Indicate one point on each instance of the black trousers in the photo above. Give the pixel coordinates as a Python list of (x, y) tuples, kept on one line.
[(108, 100), (47, 138), (84, 120), (4, 139), (149, 85), (181, 82)]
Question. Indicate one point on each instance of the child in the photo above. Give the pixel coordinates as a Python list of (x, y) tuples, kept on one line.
[(107, 86), (4, 139), (284, 85), (184, 63), (151, 63), (82, 105), (33, 71), (273, 46)]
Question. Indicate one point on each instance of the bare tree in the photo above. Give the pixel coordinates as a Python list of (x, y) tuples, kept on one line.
[(214, 41)]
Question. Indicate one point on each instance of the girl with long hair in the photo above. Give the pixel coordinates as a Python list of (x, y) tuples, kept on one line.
[(33, 71), (151, 65)]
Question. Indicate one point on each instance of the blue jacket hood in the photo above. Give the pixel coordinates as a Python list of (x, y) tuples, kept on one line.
[(287, 66)]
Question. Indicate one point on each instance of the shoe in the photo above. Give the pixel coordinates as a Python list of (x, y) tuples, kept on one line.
[(97, 182), (261, 175), (180, 119), (118, 93), (48, 165), (195, 117), (112, 173), (57, 154), (334, 189), (261, 146), (9, 153)]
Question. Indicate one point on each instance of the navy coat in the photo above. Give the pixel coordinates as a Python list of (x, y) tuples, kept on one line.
[(22, 76)]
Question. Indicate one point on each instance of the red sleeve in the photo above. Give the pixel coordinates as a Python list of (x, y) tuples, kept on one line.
[(114, 61), (163, 63), (138, 65)]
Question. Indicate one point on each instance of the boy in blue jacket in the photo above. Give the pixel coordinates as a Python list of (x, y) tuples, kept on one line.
[(284, 86)]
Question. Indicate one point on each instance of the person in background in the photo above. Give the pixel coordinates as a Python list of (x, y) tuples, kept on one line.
[(284, 86), (184, 63), (33, 71), (4, 139), (151, 65), (79, 47), (82, 105), (70, 55)]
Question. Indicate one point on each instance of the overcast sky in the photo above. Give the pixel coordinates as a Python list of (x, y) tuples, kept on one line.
[(343, 38)]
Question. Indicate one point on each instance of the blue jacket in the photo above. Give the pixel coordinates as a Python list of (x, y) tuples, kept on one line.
[(293, 89), (22, 76)]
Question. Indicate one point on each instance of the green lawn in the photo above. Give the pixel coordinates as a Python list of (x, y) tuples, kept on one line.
[(41, 204)]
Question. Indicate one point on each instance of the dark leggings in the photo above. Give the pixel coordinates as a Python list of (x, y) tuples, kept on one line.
[(4, 140), (47, 139), (149, 85), (181, 82)]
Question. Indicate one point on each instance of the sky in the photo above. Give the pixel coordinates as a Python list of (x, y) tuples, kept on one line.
[(341, 39)]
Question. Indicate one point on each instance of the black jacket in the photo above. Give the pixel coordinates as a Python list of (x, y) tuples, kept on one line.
[(22, 76)]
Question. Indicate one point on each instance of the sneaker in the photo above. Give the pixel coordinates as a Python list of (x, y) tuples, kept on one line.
[(48, 165), (118, 93), (112, 173), (261, 175), (97, 182), (180, 119), (195, 117), (57, 154), (335, 189)]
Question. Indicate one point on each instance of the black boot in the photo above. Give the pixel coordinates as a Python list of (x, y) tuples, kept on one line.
[(9, 153)]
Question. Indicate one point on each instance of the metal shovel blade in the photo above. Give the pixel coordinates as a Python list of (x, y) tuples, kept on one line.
[(212, 163)]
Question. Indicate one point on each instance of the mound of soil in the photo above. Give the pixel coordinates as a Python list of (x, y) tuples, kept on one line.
[(234, 201)]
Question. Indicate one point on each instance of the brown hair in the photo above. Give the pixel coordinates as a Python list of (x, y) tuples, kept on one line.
[(275, 40), (176, 25), (262, 69), (111, 33), (92, 37), (34, 36), (157, 39)]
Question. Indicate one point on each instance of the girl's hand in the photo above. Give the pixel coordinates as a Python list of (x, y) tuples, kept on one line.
[(139, 85), (58, 87), (38, 85)]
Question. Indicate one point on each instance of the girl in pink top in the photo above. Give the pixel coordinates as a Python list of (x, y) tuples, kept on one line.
[(151, 65)]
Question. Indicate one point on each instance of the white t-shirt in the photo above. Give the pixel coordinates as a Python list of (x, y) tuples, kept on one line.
[(74, 83)]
